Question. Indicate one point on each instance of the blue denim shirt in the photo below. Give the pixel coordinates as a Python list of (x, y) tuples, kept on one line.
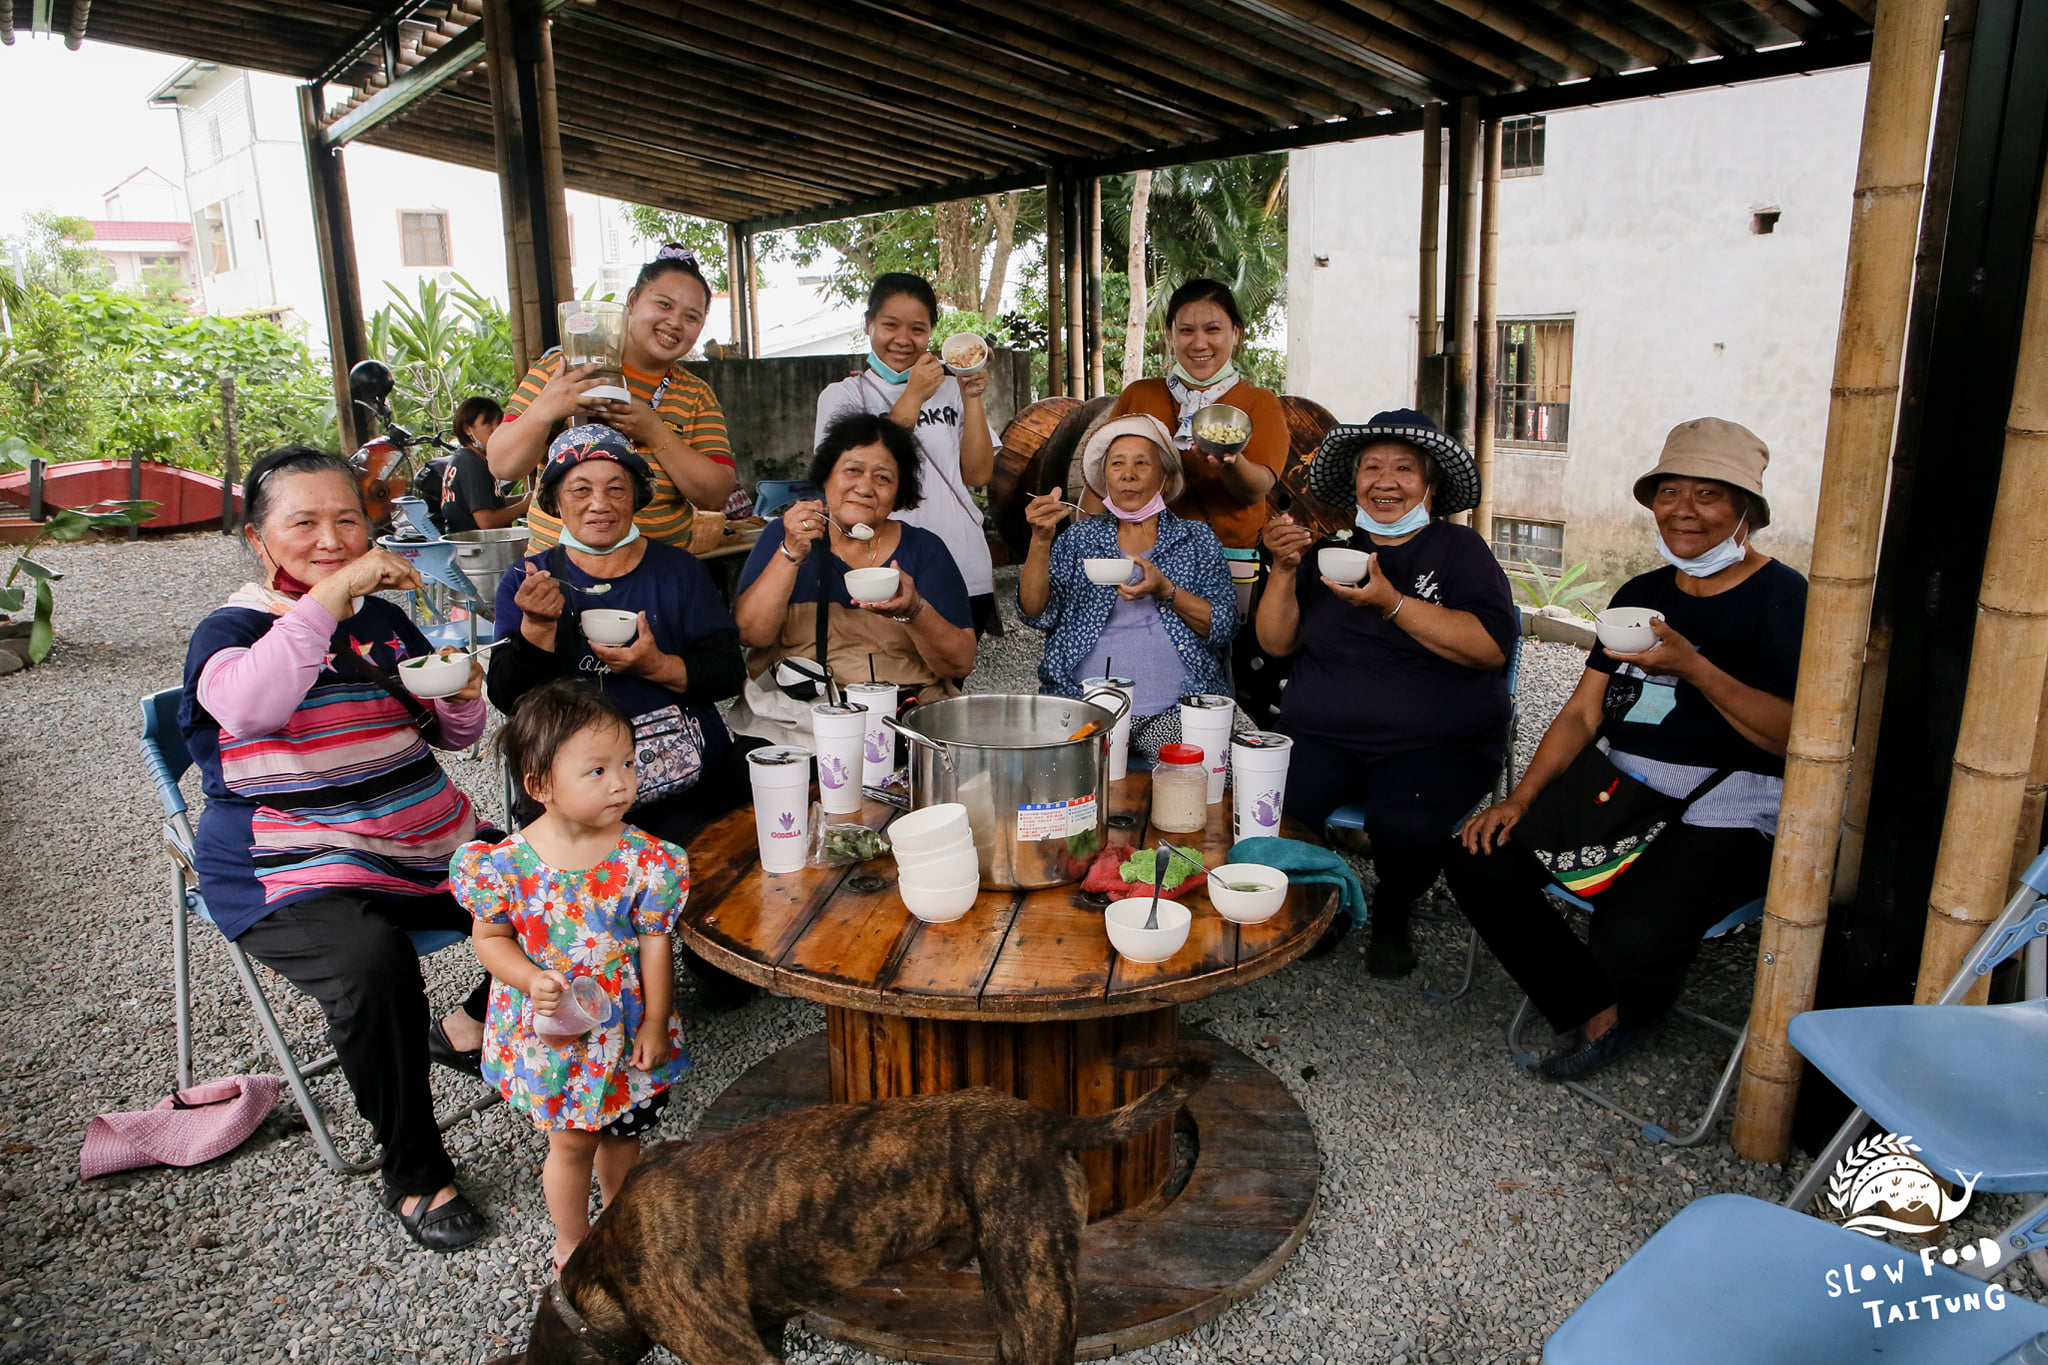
[(1076, 610)]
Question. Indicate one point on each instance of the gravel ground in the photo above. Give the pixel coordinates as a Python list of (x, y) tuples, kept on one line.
[(1466, 1208)]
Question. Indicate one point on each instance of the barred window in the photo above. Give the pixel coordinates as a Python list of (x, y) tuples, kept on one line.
[(1535, 543), (424, 238), (1521, 146), (1532, 384)]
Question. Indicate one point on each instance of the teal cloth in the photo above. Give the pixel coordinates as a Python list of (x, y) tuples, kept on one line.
[(1305, 862)]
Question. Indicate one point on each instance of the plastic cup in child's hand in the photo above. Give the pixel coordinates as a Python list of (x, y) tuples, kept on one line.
[(584, 1006)]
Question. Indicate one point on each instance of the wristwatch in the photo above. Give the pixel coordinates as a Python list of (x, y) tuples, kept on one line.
[(907, 617)]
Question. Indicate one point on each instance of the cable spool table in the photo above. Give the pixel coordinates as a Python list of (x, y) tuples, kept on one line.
[(1025, 994)]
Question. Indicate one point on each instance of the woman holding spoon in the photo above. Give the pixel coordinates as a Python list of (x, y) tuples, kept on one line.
[(673, 419)]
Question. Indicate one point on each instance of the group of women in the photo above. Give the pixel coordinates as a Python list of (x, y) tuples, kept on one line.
[(329, 825)]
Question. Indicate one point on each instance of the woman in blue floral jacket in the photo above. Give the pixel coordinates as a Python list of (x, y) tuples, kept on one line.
[(1169, 624)]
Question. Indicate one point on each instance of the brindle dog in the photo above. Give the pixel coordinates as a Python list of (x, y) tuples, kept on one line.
[(710, 1247)]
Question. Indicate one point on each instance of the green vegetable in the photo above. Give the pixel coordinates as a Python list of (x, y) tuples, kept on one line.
[(1139, 868), (1250, 887), (852, 843)]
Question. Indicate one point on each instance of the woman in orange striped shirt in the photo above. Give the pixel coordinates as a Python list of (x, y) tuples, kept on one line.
[(673, 419)]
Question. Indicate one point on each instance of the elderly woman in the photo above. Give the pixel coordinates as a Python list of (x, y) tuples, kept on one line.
[(1700, 718), (921, 637), (673, 419), (328, 823), (1169, 626), (1399, 697)]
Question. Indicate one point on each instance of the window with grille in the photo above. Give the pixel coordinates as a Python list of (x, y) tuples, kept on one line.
[(1521, 146), (1535, 543), (424, 238), (1532, 384)]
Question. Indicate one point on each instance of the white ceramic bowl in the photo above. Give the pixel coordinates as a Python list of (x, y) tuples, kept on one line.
[(434, 676), (907, 858), (1109, 573), (939, 904), (930, 829), (949, 869), (1125, 921), (1626, 630), (609, 626), (872, 585), (964, 353), (1247, 907), (1342, 566)]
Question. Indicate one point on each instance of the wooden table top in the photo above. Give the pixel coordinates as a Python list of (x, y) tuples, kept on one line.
[(842, 937)]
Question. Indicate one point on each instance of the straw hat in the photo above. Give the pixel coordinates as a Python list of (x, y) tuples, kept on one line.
[(1096, 452), (1713, 448), (1333, 474), (182, 1130)]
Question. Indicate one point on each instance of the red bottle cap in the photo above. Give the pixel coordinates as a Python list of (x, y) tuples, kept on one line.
[(1180, 753)]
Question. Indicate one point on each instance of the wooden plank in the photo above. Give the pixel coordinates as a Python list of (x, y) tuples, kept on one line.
[(1055, 953), (856, 941), (948, 964)]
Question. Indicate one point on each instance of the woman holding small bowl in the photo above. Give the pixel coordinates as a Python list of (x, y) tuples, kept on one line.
[(904, 615), (1134, 586), (1398, 699), (671, 416), (1689, 692), (941, 403), (328, 824)]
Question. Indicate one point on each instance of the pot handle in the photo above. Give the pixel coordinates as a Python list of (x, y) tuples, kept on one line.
[(1123, 703), (945, 754)]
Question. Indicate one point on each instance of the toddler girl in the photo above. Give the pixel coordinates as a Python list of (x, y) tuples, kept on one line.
[(577, 893)]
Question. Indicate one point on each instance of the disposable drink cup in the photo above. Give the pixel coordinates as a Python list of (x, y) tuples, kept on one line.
[(878, 741), (1258, 780), (1120, 738), (582, 1008), (1205, 722), (838, 732), (782, 805)]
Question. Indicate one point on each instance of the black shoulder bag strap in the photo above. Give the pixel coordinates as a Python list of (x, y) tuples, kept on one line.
[(348, 661)]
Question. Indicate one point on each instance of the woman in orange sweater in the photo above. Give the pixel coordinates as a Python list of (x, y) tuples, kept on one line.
[(1203, 329)]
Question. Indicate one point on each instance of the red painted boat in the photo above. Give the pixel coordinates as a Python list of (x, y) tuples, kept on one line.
[(190, 500)]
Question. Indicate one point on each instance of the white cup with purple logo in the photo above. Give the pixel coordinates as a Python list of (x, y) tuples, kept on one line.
[(878, 742), (1258, 777), (1205, 722), (1120, 738), (837, 732), (782, 805)]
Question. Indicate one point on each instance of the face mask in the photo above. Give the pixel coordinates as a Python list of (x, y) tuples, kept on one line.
[(1148, 511), (1708, 563), (887, 375), (569, 539), (1411, 521), (283, 581), (1223, 377)]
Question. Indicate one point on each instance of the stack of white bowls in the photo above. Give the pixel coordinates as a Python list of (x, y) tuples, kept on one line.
[(938, 873)]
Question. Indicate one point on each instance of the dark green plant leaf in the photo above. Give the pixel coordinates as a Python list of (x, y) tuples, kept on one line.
[(41, 635), (65, 524), (11, 599), (35, 570)]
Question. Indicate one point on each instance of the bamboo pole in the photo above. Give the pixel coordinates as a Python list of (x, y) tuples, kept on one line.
[(552, 186), (1140, 306), (1898, 107), (735, 308), (1460, 312), (2008, 660), (1432, 203), (2026, 844), (1486, 337), (1055, 286), (1075, 201), (1096, 387), (753, 278), (1956, 50)]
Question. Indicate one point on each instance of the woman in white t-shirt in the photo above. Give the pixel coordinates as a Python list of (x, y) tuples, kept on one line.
[(905, 381)]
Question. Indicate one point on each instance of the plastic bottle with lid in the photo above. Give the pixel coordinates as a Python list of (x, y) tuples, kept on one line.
[(1180, 790)]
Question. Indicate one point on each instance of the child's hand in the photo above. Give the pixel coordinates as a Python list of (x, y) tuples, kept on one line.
[(547, 991), (650, 1045)]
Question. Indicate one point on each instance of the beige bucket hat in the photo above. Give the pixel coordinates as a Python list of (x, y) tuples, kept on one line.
[(1096, 452), (1713, 448)]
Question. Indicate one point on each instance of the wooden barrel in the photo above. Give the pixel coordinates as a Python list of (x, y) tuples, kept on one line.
[(1037, 447), (1307, 423)]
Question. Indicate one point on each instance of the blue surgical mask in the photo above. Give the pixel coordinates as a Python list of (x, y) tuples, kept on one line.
[(1710, 562), (1411, 521), (887, 375), (568, 538)]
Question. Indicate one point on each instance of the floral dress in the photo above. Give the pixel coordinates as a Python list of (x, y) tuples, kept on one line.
[(581, 923)]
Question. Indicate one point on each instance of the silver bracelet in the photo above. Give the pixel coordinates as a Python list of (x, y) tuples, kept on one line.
[(910, 615), (1397, 609), (783, 550)]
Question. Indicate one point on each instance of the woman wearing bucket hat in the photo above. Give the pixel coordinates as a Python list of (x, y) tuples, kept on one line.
[(1169, 625), (1698, 723), (1400, 680), (683, 659)]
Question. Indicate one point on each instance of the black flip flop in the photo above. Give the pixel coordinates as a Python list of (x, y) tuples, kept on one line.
[(440, 1050), (450, 1227)]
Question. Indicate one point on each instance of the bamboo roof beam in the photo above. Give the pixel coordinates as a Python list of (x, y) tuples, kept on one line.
[(1709, 36), (1419, 69), (1285, 48), (1464, 49), (74, 32), (1620, 37), (1515, 30), (1784, 16)]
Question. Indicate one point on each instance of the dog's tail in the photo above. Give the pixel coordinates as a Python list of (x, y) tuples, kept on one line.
[(1190, 1068)]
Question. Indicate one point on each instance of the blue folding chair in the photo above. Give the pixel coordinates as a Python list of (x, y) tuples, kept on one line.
[(164, 752), (771, 496), (1353, 816), (1736, 1281), (1651, 1130), (1968, 1083)]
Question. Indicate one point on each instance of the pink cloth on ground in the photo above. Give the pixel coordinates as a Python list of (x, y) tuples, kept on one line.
[(181, 1130)]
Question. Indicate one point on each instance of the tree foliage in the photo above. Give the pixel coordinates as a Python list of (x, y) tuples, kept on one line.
[(56, 253), (443, 345)]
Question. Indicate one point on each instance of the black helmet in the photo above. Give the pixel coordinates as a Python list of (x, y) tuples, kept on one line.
[(369, 381)]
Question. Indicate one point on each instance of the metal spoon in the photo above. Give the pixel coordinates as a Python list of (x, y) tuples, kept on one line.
[(1161, 858)]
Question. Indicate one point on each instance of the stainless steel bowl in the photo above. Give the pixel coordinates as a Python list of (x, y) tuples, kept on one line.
[(1217, 413)]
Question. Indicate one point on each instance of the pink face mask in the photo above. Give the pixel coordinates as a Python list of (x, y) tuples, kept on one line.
[(1148, 511)]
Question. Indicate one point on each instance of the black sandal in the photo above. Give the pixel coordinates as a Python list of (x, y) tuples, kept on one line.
[(448, 1227), (440, 1050)]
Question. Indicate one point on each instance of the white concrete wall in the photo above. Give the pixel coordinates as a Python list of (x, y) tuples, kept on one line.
[(1638, 230)]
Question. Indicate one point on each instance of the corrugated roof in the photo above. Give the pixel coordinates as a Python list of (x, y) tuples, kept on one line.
[(139, 230)]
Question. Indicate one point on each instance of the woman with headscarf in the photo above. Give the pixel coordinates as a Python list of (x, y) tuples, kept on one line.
[(1701, 717), (1169, 626), (1399, 697)]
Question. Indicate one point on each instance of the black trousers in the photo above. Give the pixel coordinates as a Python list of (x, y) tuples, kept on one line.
[(1411, 801), (351, 954), (1646, 927)]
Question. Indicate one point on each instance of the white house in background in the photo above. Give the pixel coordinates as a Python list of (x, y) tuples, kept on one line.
[(1659, 260), (147, 195), (413, 219), (144, 225)]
